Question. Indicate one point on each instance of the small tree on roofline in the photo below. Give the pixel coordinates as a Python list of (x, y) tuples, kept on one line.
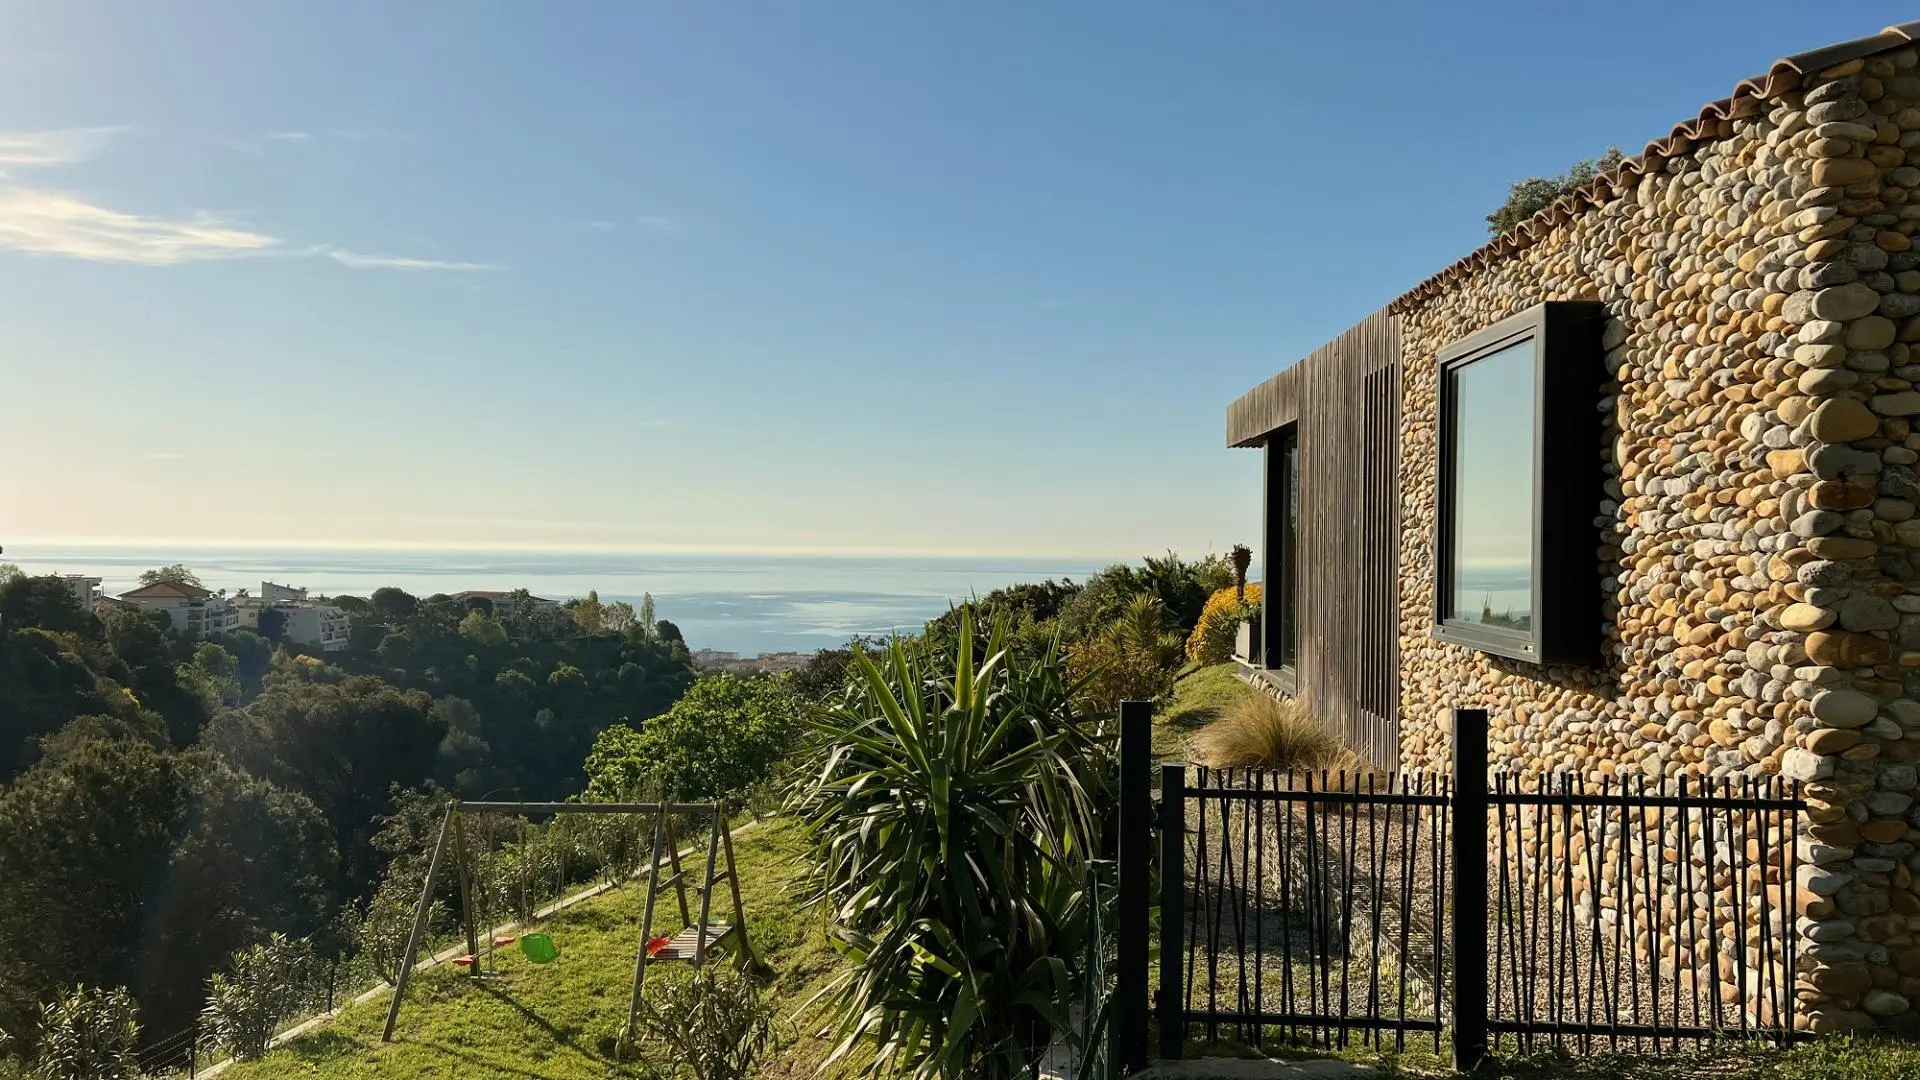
[(1534, 194)]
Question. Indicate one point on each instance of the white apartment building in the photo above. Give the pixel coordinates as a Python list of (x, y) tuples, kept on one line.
[(308, 622), (190, 608), (84, 589)]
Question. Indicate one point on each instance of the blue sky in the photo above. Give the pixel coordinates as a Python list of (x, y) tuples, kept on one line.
[(838, 275)]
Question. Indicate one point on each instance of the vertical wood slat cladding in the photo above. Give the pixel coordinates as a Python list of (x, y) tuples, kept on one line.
[(1345, 400)]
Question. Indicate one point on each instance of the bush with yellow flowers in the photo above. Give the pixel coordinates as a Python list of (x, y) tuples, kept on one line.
[(1212, 639)]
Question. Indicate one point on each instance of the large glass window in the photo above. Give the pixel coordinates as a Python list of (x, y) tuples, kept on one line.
[(1493, 498), (1519, 486)]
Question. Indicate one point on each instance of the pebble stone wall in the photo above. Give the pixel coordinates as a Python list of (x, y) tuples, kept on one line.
[(1758, 541)]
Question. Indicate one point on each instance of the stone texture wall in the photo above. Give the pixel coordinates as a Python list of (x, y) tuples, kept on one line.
[(1757, 544)]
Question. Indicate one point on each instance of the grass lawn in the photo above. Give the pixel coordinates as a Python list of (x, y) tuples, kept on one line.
[(1200, 695), (559, 1021)]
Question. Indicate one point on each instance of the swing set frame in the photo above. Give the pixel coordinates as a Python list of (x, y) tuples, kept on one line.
[(690, 944)]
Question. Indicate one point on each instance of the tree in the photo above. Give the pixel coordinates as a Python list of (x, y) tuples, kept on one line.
[(45, 602), (1535, 193), (393, 605), (668, 631), (618, 617), (588, 614), (10, 571), (273, 624), (483, 629), (645, 620), (725, 734), (175, 574)]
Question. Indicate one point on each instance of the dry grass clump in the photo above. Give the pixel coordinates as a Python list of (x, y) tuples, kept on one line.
[(1260, 732)]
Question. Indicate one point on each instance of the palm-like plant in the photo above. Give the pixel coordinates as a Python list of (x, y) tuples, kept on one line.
[(953, 807), (1134, 657)]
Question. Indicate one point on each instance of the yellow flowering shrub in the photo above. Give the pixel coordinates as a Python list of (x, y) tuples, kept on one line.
[(1212, 639)]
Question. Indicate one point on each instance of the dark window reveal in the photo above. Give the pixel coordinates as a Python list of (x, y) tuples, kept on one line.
[(1519, 487)]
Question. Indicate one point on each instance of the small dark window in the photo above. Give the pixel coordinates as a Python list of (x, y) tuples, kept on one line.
[(1519, 486), (1287, 543)]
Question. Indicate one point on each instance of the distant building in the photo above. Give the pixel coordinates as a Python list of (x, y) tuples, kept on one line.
[(503, 602), (190, 608), (767, 663), (307, 622), (84, 589), (714, 658)]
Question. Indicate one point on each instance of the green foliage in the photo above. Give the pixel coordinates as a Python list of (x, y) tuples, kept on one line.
[(87, 1034), (1134, 658), (483, 630), (824, 676), (9, 572), (953, 808), (1535, 193), (264, 986), (393, 604), (724, 735), (1213, 639), (1182, 587), (712, 1025), (175, 574)]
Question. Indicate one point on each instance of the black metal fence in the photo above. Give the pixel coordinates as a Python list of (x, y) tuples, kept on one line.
[(1491, 912)]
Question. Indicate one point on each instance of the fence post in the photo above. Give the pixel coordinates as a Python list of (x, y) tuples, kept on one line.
[(1129, 1021), (1173, 902), (1469, 856)]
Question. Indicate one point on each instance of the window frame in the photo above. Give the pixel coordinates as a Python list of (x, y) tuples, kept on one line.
[(1568, 484), (1280, 597)]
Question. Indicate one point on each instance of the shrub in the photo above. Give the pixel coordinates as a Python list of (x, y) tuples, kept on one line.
[(1134, 658), (1534, 194), (1258, 731), (87, 1034), (725, 734), (1212, 639), (953, 808), (714, 1024), (267, 985)]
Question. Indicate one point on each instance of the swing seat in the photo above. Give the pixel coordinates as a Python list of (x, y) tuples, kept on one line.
[(684, 944), (503, 942), (539, 948), (464, 961)]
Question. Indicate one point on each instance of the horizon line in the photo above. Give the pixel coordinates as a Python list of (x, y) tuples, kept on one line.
[(797, 550)]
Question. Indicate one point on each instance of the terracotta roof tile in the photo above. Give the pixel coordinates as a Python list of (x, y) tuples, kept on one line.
[(1714, 121), (167, 590)]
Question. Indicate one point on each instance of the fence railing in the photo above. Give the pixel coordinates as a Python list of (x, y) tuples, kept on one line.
[(1489, 911)]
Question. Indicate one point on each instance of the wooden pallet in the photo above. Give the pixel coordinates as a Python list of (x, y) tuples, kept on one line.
[(683, 944)]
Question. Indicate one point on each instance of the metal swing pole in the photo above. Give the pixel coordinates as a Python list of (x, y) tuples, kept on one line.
[(419, 922)]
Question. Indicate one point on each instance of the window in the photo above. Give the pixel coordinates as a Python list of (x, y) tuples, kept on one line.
[(1519, 485), (1283, 542)]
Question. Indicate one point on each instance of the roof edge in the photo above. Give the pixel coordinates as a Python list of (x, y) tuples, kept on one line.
[(1714, 121)]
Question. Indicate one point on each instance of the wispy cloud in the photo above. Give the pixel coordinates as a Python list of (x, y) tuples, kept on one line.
[(288, 136), (58, 147), (361, 261), (659, 223), (55, 223), (47, 221)]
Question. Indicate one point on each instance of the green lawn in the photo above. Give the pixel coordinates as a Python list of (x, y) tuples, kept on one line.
[(559, 1022), (1200, 695)]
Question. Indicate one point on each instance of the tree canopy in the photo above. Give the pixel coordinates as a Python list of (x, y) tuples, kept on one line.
[(1535, 193), (176, 574)]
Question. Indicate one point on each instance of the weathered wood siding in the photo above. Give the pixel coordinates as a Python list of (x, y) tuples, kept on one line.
[(1345, 401)]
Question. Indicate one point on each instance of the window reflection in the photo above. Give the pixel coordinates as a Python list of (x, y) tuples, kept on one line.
[(1493, 489)]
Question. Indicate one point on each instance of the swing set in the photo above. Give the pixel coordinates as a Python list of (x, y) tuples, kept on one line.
[(690, 944)]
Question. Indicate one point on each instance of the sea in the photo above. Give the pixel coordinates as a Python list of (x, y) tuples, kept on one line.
[(749, 604)]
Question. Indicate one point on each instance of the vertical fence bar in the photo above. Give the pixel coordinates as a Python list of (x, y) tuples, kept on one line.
[(1469, 857), (1135, 876), (1173, 895)]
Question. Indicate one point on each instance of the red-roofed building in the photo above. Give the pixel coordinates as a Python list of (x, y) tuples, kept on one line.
[(191, 609)]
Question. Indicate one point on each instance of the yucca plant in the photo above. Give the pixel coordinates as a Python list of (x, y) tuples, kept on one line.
[(711, 1025), (954, 806), (1133, 658)]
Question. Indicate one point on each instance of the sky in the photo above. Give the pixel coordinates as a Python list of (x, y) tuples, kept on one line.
[(837, 276)]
